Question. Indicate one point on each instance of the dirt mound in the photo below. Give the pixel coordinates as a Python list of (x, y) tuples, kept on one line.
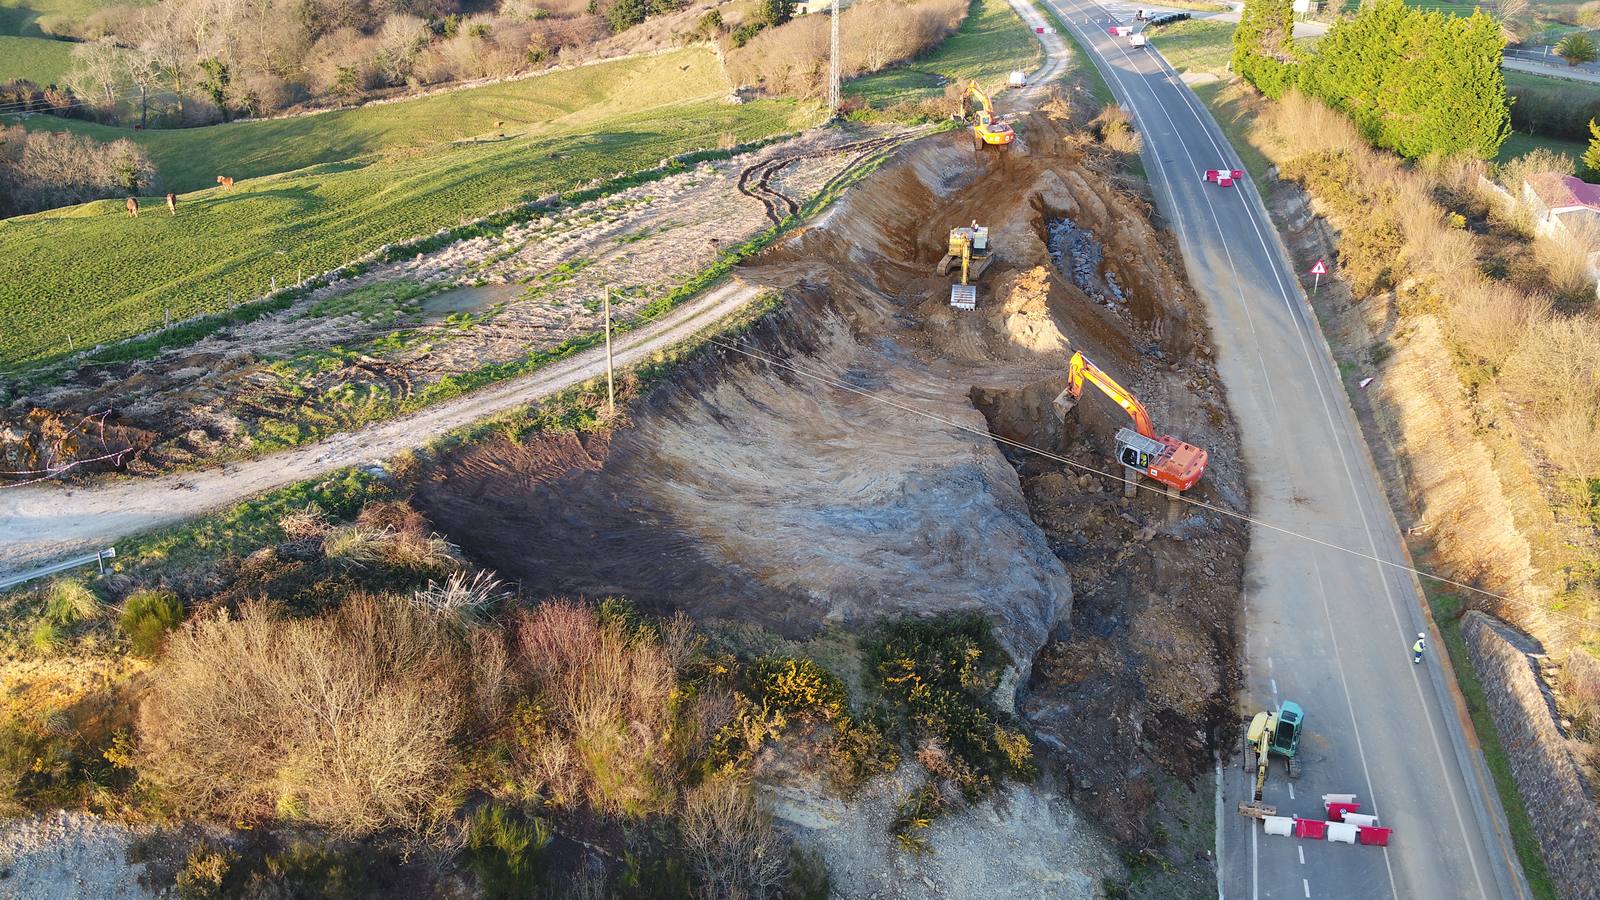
[(828, 476)]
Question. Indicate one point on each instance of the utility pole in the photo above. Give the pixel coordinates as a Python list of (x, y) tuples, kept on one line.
[(833, 66), (611, 388)]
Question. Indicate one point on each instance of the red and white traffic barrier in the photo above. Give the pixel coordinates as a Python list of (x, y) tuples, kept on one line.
[(1223, 177), (1343, 825)]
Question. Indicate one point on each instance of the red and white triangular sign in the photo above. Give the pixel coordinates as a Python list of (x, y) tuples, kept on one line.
[(1321, 268)]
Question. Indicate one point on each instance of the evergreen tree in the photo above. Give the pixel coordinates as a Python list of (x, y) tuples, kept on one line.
[(1263, 48), (624, 14), (775, 12), (1591, 156), (1415, 82)]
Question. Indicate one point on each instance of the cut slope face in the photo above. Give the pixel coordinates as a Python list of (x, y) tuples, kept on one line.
[(834, 465)]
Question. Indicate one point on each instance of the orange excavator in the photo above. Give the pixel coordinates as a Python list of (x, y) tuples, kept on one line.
[(988, 128), (1165, 458)]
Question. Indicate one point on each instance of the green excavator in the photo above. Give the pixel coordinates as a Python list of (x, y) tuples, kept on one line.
[(1271, 734)]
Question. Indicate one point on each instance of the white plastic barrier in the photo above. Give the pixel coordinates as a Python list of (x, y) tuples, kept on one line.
[(1342, 832), (1338, 798), (1360, 819), (1279, 825)]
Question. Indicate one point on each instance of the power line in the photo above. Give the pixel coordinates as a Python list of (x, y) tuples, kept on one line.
[(876, 397)]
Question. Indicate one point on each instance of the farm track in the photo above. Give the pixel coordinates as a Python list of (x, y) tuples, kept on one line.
[(38, 522), (756, 181)]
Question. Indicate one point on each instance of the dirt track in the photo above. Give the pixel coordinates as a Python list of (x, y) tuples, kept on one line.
[(41, 521)]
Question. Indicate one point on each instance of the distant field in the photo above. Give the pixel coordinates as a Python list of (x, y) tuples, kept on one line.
[(87, 274), (25, 17), (990, 43), (40, 60), (1519, 143), (1196, 45), (192, 158)]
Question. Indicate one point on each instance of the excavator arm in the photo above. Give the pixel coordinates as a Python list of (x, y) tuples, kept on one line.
[(989, 128), (1081, 369), (980, 101)]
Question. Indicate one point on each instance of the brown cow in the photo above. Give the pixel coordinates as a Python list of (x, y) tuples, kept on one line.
[(172, 203), (133, 207), (225, 181)]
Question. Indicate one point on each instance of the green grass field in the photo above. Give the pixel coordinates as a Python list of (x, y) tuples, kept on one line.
[(87, 274), (1196, 46), (990, 43), (40, 60), (1519, 143), (191, 158)]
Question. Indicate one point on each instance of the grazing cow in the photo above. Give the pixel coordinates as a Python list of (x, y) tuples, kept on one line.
[(225, 181), (133, 207), (172, 203)]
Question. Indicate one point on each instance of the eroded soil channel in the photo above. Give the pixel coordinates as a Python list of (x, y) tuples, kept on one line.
[(835, 469)]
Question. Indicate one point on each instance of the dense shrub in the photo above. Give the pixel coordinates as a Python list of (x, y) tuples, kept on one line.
[(146, 618), (1555, 108), (56, 756), (938, 676), (599, 725), (346, 721)]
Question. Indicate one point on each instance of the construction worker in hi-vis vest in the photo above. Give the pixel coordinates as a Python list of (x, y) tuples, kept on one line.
[(1418, 647)]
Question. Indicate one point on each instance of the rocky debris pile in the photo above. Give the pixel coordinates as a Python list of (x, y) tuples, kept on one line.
[(1078, 255)]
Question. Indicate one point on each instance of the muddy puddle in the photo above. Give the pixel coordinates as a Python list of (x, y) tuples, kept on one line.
[(470, 299), (857, 481)]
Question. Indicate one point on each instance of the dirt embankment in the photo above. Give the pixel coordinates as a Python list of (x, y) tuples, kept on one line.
[(826, 477)]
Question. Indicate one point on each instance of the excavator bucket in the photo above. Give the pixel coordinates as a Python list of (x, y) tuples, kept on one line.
[(1257, 810), (1064, 403), (964, 296)]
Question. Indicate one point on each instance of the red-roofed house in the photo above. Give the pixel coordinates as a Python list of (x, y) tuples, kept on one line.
[(1562, 200)]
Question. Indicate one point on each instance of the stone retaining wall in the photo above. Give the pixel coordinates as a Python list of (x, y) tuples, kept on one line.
[(1564, 809)]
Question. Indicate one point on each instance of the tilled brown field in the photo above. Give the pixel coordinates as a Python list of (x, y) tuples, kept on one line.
[(823, 470)]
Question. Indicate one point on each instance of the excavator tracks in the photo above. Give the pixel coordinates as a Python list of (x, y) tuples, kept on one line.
[(756, 180)]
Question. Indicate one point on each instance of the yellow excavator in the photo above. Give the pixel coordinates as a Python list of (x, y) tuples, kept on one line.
[(988, 128), (969, 245), (1271, 734)]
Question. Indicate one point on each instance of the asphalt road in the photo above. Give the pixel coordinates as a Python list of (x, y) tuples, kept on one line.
[(1325, 627)]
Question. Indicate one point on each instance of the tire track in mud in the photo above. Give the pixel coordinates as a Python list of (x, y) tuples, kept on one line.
[(756, 180)]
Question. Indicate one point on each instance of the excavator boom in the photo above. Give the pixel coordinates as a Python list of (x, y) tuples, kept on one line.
[(1081, 369)]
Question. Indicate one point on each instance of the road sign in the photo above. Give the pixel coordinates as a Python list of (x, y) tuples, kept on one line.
[(1317, 271)]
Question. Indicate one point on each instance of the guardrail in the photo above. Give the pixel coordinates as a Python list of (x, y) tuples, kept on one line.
[(10, 581)]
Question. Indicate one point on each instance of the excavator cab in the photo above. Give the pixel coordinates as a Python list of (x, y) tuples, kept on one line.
[(1286, 736)]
